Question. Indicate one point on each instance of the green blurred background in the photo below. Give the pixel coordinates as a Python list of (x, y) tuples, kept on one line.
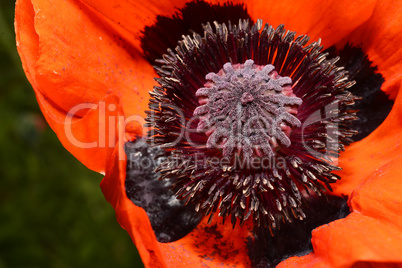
[(52, 211)]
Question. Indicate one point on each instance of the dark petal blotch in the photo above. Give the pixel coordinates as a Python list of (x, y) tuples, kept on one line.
[(375, 105), (167, 31), (294, 239), (170, 218)]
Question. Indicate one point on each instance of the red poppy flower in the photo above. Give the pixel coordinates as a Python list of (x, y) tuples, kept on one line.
[(86, 63)]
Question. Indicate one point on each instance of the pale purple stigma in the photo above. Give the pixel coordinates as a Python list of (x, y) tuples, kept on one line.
[(247, 109), (246, 98)]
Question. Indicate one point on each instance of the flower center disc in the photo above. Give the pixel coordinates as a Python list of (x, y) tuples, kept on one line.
[(245, 114), (247, 110)]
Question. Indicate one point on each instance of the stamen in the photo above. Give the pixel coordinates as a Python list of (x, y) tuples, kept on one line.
[(252, 119)]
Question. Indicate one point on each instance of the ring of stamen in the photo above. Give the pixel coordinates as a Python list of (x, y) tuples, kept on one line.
[(197, 79)]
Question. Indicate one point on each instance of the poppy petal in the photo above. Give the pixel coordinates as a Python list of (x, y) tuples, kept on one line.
[(68, 72), (90, 138), (362, 158), (329, 20), (79, 56), (128, 18), (381, 37), (211, 245), (75, 133)]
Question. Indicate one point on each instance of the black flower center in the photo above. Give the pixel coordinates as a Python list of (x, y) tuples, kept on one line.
[(250, 119)]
